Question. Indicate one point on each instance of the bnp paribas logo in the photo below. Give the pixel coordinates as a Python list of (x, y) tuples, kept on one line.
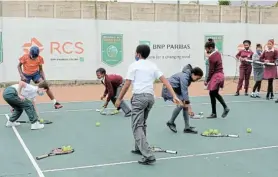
[(145, 43)]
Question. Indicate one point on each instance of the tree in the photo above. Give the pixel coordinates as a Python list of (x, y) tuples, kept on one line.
[(224, 2)]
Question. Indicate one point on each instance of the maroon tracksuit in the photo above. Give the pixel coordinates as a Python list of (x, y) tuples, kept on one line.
[(245, 69)]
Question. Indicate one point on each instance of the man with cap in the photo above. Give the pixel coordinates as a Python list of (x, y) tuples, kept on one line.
[(33, 70)]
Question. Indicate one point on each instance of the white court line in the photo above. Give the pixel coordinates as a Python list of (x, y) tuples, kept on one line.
[(161, 106), (27, 151), (95, 101), (159, 159)]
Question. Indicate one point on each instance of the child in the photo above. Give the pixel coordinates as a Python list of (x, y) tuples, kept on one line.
[(180, 83), (245, 68), (21, 97), (258, 70), (270, 72), (141, 74), (215, 79), (32, 70), (113, 84)]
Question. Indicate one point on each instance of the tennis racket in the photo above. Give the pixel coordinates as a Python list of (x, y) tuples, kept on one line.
[(220, 135), (158, 149), (258, 62), (54, 152), (42, 122)]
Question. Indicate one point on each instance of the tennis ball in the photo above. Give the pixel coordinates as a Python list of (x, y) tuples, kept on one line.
[(97, 124), (215, 132), (249, 130), (205, 133), (210, 131), (41, 120)]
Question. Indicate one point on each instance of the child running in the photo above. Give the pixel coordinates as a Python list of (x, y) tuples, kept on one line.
[(245, 68), (21, 97), (215, 79), (180, 83), (33, 70), (113, 84), (141, 74), (258, 70), (269, 55)]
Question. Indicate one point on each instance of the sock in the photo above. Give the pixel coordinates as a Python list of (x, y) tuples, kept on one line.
[(54, 101)]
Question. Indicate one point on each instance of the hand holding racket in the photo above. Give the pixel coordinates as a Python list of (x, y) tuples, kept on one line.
[(57, 151), (158, 149)]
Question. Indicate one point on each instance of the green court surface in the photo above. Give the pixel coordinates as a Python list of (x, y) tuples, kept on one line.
[(105, 151)]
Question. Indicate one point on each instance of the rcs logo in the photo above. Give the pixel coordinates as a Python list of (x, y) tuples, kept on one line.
[(56, 47)]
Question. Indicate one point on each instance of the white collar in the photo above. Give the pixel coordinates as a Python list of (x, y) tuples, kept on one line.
[(212, 53), (271, 50)]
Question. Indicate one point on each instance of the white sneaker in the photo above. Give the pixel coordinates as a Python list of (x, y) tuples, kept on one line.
[(12, 124), (37, 125)]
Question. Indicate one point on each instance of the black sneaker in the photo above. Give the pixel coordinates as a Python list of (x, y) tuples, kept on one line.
[(137, 152), (276, 101), (190, 130), (225, 113), (172, 127), (128, 114), (246, 94), (147, 161), (237, 94), (212, 116)]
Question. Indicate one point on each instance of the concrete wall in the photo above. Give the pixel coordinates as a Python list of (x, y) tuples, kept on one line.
[(138, 12)]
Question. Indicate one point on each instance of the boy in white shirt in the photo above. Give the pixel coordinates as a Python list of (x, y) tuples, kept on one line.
[(21, 97), (142, 74)]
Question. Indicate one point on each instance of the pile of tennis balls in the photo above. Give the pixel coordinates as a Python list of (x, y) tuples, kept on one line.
[(211, 132), (66, 148)]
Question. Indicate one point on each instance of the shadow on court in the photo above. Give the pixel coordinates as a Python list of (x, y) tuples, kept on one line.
[(105, 151)]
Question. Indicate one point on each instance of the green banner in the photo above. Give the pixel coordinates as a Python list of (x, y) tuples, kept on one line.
[(218, 39), (112, 49), (1, 48)]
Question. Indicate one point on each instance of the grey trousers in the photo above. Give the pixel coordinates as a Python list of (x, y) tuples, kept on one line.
[(141, 106), (10, 95), (123, 104), (175, 114)]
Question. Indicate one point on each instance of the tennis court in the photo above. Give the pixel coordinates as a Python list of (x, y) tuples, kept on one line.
[(105, 151)]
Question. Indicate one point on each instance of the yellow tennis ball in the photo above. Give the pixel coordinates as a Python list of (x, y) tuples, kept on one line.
[(249, 130), (41, 120), (210, 131), (215, 131), (97, 124), (205, 133)]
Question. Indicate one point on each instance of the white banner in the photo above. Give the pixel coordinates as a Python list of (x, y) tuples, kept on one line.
[(74, 49)]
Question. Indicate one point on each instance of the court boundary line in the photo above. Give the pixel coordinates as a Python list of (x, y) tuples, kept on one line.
[(160, 159), (27, 151), (158, 106), (94, 101)]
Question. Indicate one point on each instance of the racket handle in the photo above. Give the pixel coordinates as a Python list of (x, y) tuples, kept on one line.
[(42, 157), (171, 152)]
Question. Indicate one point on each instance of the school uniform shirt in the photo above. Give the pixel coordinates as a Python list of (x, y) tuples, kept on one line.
[(180, 83), (30, 66), (111, 82), (215, 77), (270, 72), (245, 54), (29, 92), (143, 73)]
